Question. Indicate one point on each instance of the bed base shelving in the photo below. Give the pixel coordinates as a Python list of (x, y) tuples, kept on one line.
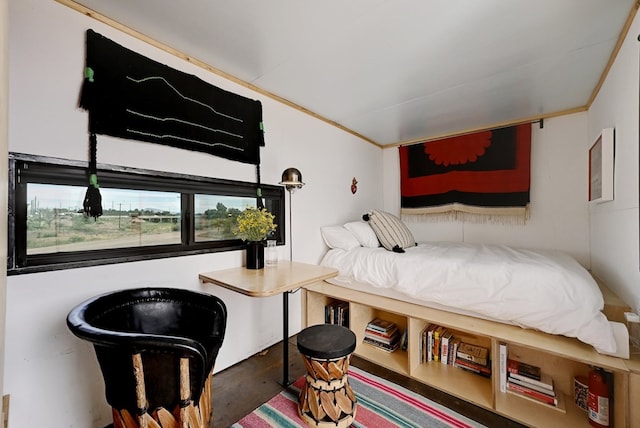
[(561, 357)]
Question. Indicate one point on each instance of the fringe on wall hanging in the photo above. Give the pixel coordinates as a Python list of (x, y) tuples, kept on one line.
[(509, 216)]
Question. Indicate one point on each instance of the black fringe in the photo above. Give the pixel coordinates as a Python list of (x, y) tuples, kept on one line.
[(87, 92), (259, 199), (92, 204)]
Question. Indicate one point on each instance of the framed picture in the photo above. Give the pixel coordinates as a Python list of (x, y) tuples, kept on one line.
[(601, 167)]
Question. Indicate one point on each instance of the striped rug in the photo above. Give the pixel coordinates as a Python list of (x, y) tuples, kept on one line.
[(381, 404)]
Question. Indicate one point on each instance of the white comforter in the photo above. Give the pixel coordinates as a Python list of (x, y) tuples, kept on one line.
[(548, 291)]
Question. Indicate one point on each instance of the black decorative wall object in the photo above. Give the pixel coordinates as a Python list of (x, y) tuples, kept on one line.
[(133, 97)]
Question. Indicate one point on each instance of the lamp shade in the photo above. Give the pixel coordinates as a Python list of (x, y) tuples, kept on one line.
[(292, 179)]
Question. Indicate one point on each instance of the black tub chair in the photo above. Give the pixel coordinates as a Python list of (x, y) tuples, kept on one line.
[(156, 348)]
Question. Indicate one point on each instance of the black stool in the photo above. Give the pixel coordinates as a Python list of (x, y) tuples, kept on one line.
[(326, 399)]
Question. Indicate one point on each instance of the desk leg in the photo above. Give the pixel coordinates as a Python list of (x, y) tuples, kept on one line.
[(285, 340)]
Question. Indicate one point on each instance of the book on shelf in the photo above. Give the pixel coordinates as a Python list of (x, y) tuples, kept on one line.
[(453, 349), (383, 334), (530, 393), (475, 353), (386, 340), (381, 325), (446, 338), (342, 315), (423, 340), (376, 333), (523, 369), (404, 340), (387, 333), (388, 347), (528, 381), (473, 367), (337, 313), (430, 330), (560, 405), (502, 364), (441, 345), (544, 388), (425, 343), (432, 342), (438, 344), (437, 334)]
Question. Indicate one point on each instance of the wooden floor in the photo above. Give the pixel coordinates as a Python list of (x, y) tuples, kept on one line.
[(241, 388)]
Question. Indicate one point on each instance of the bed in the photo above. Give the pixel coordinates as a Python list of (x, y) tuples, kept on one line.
[(544, 290)]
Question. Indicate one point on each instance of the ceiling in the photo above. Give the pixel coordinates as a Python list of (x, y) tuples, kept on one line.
[(396, 71)]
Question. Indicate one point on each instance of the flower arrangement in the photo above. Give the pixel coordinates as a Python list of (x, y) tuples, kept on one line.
[(255, 224)]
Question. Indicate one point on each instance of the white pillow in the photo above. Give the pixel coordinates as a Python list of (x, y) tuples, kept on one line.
[(392, 233), (338, 237), (363, 233)]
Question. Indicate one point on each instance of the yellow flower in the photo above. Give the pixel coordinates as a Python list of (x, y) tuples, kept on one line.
[(255, 224)]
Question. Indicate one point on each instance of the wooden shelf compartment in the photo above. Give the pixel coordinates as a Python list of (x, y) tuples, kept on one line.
[(395, 361), (315, 300), (361, 315), (457, 382), (538, 414), (562, 371), (477, 390), (416, 327), (557, 346)]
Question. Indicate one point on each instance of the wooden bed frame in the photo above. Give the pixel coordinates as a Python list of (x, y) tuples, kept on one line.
[(559, 356)]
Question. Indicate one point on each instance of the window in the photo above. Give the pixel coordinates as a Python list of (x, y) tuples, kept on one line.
[(215, 216), (146, 214)]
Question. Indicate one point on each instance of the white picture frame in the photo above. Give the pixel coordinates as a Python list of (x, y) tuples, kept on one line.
[(601, 167)]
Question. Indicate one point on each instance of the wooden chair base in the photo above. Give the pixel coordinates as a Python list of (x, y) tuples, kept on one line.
[(189, 416)]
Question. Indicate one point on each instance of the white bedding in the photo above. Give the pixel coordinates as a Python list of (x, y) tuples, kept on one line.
[(543, 290)]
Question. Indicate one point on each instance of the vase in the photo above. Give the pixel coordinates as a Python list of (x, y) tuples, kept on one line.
[(255, 255)]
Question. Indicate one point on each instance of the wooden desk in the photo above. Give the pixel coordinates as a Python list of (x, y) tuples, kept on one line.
[(282, 278)]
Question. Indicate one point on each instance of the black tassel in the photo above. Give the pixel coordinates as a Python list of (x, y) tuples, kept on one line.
[(259, 199), (397, 249), (93, 200), (86, 95)]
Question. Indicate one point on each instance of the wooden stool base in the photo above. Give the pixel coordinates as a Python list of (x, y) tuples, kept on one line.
[(326, 398), (191, 416)]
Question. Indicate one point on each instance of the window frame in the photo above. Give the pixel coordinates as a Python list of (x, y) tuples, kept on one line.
[(24, 169)]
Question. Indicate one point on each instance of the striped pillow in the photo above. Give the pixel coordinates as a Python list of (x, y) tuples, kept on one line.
[(392, 233)]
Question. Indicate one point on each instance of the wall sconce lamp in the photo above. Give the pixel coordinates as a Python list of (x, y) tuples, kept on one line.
[(291, 180)]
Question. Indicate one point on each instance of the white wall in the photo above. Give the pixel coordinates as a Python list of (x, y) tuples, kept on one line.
[(4, 134), (50, 374), (559, 215), (614, 225)]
